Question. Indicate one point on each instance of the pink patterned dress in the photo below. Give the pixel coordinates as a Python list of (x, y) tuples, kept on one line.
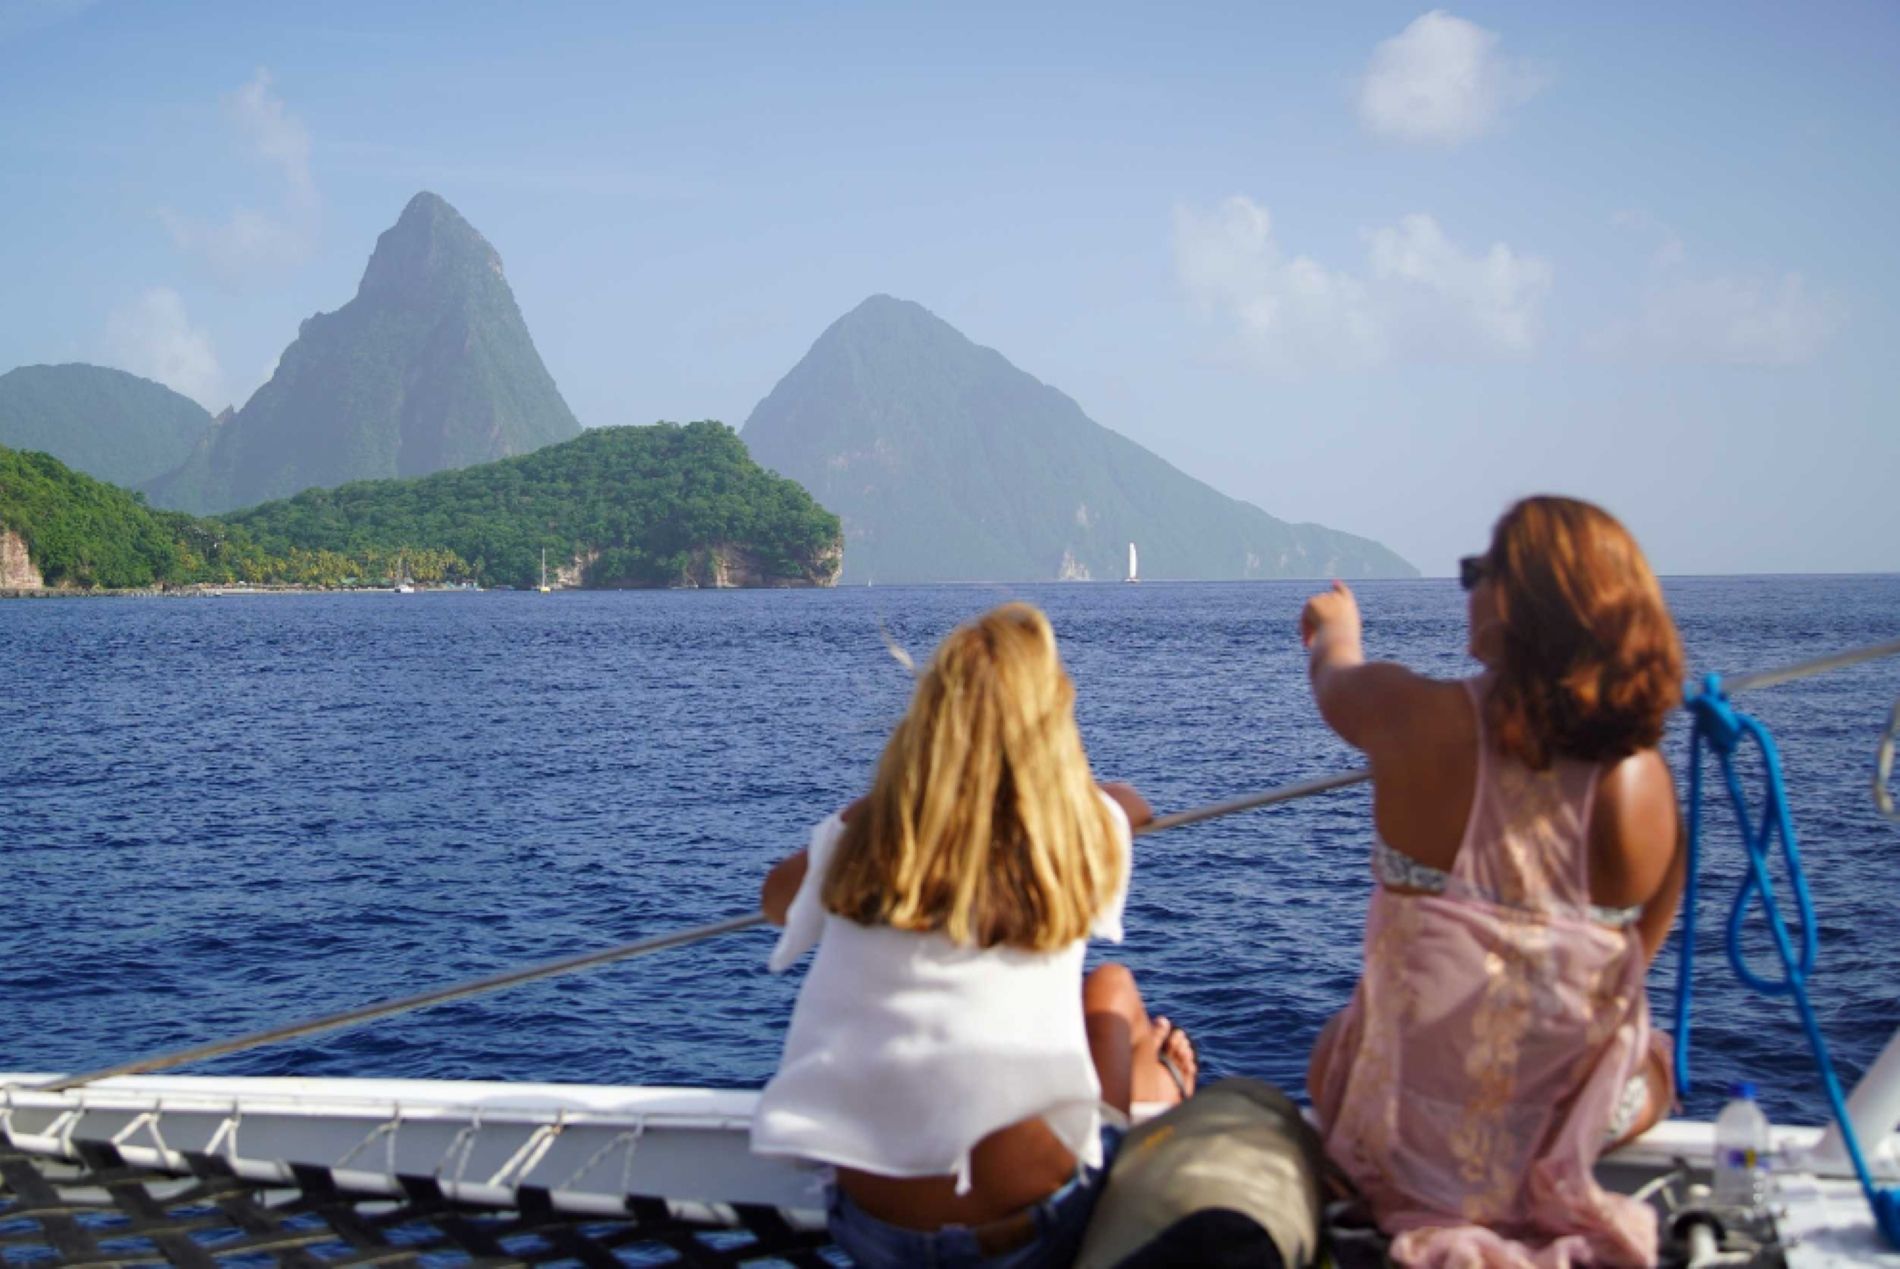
[(1467, 1087)]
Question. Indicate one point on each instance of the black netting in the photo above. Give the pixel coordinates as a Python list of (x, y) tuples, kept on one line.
[(102, 1211)]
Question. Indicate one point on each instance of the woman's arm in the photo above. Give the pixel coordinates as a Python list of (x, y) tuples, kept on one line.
[(1132, 803), (781, 887), (788, 874), (1636, 845), (1367, 704)]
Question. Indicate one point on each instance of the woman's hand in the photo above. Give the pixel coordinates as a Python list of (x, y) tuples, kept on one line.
[(1132, 803), (1365, 704), (781, 887), (1330, 619)]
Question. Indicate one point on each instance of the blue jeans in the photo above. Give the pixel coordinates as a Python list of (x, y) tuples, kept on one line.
[(1061, 1220)]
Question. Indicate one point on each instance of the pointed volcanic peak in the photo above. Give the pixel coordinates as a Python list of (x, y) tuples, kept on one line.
[(947, 463), (109, 424), (430, 367)]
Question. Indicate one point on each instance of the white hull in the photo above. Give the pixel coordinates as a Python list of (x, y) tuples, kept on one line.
[(587, 1147)]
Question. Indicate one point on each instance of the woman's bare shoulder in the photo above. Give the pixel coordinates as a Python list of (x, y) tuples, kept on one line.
[(1392, 706), (1633, 830), (1639, 786), (1431, 711)]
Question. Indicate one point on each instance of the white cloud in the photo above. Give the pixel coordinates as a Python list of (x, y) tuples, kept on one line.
[(1729, 320), (1716, 318), (1419, 294), (251, 244), (152, 336), (1441, 80), (275, 135)]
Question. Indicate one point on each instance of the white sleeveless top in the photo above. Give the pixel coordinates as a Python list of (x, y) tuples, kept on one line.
[(907, 1049)]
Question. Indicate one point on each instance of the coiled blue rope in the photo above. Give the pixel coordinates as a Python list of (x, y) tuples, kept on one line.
[(1723, 729)]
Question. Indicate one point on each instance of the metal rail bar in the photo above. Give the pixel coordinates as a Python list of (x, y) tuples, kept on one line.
[(1253, 801), (660, 942), (404, 1004), (1808, 669)]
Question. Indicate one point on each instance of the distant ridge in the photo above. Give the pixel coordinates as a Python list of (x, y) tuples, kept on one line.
[(430, 367), (109, 424), (947, 463)]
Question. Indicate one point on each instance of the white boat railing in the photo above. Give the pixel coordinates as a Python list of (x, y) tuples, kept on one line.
[(584, 1148), (1873, 1108)]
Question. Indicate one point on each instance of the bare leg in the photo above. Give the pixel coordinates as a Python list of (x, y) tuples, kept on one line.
[(1322, 1054), (1126, 1044)]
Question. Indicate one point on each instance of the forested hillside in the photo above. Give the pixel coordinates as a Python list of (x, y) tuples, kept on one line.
[(666, 505), (84, 532), (625, 506), (107, 423)]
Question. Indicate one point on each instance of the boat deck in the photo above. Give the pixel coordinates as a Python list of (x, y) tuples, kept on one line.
[(199, 1171)]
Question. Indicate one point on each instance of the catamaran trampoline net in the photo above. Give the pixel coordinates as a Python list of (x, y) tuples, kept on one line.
[(101, 1211)]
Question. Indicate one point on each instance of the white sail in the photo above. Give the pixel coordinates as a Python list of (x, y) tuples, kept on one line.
[(1134, 572)]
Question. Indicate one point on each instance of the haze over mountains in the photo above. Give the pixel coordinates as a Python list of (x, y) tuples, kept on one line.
[(947, 463), (115, 425), (430, 367)]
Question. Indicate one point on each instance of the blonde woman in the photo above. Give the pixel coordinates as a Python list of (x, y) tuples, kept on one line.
[(945, 1055)]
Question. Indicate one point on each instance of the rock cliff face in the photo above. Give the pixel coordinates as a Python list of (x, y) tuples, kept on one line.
[(725, 566), (17, 570), (722, 566)]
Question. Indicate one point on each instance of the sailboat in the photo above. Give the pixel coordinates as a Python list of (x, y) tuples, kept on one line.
[(544, 570), (1134, 573)]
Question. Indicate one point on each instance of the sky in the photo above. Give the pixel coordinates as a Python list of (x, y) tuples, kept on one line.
[(1370, 265)]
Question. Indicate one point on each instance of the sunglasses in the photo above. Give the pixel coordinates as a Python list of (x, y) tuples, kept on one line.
[(1473, 569)]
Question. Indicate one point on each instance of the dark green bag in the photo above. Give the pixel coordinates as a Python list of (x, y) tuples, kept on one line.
[(1230, 1177)]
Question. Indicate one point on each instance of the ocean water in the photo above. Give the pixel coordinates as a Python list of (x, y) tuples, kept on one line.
[(221, 814)]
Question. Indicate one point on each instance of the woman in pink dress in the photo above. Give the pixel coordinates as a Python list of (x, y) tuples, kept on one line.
[(1528, 868)]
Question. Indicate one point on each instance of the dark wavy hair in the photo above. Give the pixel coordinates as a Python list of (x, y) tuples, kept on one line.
[(1590, 663)]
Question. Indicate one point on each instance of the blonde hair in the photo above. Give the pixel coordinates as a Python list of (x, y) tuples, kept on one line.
[(983, 822)]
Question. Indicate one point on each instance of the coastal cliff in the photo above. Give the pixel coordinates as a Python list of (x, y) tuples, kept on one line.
[(17, 570), (720, 566), (725, 565)]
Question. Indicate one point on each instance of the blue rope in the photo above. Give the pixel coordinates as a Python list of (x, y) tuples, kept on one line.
[(1722, 729)]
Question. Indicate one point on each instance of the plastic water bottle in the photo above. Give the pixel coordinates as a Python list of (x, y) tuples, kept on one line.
[(1741, 1151)]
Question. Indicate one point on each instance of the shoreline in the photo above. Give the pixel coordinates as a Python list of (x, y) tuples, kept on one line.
[(214, 591)]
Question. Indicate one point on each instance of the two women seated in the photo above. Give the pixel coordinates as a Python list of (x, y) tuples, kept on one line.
[(969, 1086)]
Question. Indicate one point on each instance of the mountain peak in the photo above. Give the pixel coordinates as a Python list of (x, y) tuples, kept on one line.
[(887, 312), (429, 247), (431, 366), (947, 463)]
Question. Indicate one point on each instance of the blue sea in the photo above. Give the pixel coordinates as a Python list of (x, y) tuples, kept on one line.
[(224, 813)]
